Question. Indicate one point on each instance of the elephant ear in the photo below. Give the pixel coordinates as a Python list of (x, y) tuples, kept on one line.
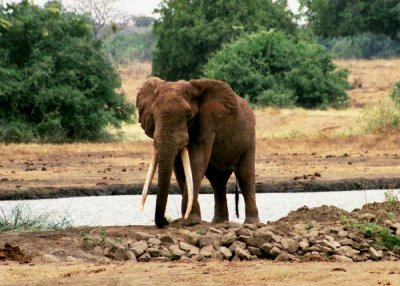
[(144, 101), (217, 102)]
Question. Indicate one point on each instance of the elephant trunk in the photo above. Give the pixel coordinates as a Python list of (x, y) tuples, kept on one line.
[(166, 159)]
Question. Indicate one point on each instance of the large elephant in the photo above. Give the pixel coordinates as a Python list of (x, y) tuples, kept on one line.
[(200, 127)]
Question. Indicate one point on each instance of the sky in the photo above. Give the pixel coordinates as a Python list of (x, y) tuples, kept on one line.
[(143, 7)]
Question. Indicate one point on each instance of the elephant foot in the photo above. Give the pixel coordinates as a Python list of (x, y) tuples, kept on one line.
[(161, 222), (220, 219), (192, 220), (252, 220)]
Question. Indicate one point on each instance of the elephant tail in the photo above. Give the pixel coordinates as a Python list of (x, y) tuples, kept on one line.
[(237, 198)]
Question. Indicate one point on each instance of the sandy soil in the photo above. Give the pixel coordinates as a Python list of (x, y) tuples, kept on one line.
[(199, 273)]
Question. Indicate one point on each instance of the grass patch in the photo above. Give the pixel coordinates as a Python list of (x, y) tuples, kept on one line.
[(384, 118), (21, 219)]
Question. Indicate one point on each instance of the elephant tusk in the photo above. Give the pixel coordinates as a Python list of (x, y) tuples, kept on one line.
[(189, 180), (149, 178)]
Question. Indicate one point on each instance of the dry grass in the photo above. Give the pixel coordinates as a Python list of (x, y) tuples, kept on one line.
[(373, 80)]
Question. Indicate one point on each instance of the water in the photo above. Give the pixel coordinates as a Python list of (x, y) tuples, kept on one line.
[(124, 210)]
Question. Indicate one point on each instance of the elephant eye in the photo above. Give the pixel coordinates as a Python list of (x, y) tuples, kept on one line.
[(188, 115)]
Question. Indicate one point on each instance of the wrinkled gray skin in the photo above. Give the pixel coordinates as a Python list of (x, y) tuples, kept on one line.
[(218, 128)]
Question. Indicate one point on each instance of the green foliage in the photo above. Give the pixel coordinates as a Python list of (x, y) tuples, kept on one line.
[(391, 198), (382, 118), (190, 31), (56, 83), (86, 239), (20, 218), (395, 93), (335, 18), (271, 68), (362, 46), (129, 48)]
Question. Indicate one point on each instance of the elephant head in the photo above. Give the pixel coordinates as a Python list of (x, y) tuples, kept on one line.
[(176, 115)]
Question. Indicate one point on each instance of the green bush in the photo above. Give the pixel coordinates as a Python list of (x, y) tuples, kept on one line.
[(129, 48), (383, 118), (190, 31), (271, 68), (395, 93), (56, 83)]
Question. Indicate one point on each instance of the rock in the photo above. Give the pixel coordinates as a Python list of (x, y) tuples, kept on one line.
[(254, 250), (214, 230), (98, 250), (236, 245), (274, 252), (304, 244), (142, 235), (159, 259), (207, 251), (154, 252), (267, 235), (225, 252), (166, 239), (233, 224), (341, 258), (59, 253), (145, 257), (375, 254), (228, 239), (184, 257), (48, 258), (175, 252), (347, 251), (205, 240), (244, 232), (138, 248), (255, 241), (71, 259), (266, 247), (282, 257), (192, 238), (164, 251), (235, 258), (250, 226), (193, 250), (154, 241), (243, 254), (329, 244), (290, 245), (119, 255), (342, 234), (130, 255)]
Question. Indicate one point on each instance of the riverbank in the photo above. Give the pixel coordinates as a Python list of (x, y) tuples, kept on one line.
[(32, 171)]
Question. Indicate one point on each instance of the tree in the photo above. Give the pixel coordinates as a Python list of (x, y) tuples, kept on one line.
[(106, 15), (334, 18), (271, 68), (56, 83), (190, 31)]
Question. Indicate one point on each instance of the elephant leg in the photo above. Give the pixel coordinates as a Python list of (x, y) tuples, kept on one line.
[(245, 173), (218, 180)]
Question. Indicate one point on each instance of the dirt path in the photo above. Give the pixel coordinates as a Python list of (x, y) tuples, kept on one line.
[(198, 273)]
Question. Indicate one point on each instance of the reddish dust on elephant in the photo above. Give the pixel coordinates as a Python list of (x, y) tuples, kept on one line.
[(199, 128)]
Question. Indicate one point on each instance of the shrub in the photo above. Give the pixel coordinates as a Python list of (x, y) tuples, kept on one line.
[(56, 83), (271, 68), (395, 93), (190, 31), (383, 118)]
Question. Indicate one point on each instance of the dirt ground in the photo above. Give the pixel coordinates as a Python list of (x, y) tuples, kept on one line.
[(294, 147), (200, 273)]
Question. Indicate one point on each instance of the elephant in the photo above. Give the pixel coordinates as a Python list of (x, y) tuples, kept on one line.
[(199, 128)]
